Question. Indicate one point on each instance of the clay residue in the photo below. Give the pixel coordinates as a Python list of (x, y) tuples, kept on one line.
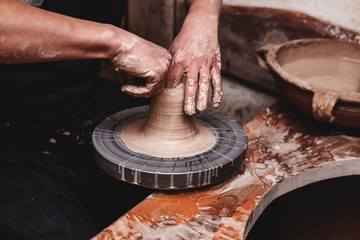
[(290, 149), (283, 143), (168, 132), (20, 50), (202, 225), (47, 52)]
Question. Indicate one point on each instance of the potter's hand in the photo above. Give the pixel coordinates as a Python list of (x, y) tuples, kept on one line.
[(196, 55), (30, 34), (144, 63)]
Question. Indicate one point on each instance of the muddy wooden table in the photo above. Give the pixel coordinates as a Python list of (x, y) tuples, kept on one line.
[(287, 150)]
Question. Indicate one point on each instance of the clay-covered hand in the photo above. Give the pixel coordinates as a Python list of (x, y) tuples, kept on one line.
[(145, 65), (196, 55)]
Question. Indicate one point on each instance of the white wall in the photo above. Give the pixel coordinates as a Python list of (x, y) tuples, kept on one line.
[(344, 13)]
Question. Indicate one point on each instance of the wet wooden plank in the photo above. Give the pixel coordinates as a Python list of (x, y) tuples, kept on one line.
[(287, 150)]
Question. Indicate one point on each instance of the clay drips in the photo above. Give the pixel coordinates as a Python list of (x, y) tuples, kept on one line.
[(168, 131)]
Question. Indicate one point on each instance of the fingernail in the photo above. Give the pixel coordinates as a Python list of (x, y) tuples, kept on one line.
[(201, 105), (216, 105), (217, 99), (190, 106), (123, 89)]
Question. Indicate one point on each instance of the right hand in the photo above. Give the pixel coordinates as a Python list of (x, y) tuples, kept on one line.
[(142, 62)]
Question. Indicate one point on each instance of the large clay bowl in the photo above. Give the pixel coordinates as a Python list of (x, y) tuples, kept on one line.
[(324, 104)]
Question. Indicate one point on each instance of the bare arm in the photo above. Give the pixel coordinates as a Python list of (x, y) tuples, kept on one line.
[(29, 34), (196, 52), (217, 3)]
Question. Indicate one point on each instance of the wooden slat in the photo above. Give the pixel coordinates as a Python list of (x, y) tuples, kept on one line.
[(152, 20), (287, 150)]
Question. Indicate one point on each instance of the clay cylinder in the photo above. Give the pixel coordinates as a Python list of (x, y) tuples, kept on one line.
[(168, 131), (167, 120)]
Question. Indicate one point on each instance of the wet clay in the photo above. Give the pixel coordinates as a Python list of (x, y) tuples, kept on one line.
[(339, 74), (321, 77), (168, 132)]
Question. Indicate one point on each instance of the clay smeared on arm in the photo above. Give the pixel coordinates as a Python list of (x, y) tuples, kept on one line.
[(29, 34)]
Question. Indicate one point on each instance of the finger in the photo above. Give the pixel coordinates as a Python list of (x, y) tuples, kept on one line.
[(156, 87), (177, 74), (136, 91), (204, 85), (216, 86), (169, 79), (190, 91), (218, 58), (151, 87), (178, 65)]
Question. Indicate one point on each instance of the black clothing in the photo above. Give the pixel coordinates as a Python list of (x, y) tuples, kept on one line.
[(50, 185), (55, 92), (59, 194)]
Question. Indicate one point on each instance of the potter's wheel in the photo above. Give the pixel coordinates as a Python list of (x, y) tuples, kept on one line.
[(221, 161)]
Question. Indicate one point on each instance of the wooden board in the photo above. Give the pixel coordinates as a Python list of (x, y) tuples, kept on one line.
[(152, 20), (287, 150)]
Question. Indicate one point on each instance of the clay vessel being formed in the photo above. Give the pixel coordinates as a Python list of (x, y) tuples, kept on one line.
[(168, 132)]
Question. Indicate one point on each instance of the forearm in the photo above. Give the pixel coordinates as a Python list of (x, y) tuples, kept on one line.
[(209, 7), (29, 34), (196, 55)]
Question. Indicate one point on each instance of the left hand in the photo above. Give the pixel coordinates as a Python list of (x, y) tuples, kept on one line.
[(196, 54), (144, 63)]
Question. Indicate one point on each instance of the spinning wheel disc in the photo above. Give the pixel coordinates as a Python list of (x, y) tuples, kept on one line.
[(212, 166)]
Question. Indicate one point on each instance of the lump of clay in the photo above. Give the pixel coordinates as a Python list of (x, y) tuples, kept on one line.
[(168, 132)]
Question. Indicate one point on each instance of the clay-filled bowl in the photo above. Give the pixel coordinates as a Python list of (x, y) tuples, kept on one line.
[(321, 77)]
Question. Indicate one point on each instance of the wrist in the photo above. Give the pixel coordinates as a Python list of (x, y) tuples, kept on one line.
[(194, 20), (202, 15), (206, 8), (119, 41), (110, 39)]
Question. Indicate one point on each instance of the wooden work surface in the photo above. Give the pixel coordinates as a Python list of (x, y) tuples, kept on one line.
[(286, 150)]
